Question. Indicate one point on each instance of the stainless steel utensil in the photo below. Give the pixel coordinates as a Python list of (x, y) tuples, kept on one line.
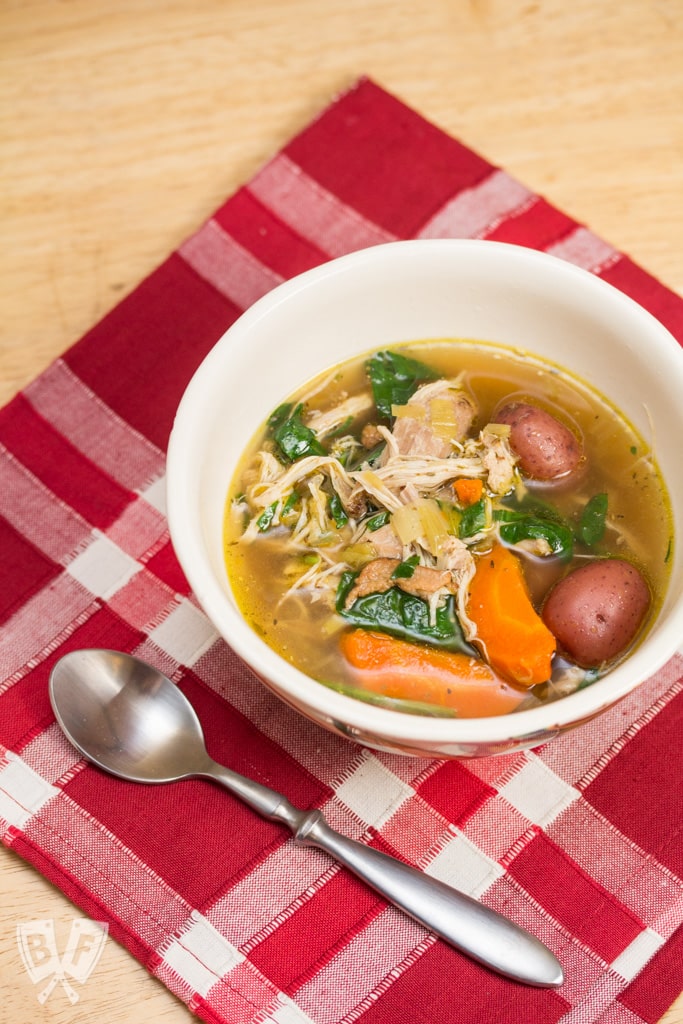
[(132, 721)]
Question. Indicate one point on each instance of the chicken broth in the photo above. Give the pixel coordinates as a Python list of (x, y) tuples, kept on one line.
[(409, 529)]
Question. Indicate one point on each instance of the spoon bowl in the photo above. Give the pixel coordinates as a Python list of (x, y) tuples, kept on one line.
[(132, 721), (126, 717)]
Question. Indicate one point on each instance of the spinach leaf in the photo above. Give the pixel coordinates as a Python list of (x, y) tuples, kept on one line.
[(472, 519), (291, 502), (342, 429), (394, 378), (337, 511), (266, 518), (279, 415), (404, 570), (374, 455), (533, 520), (378, 520), (361, 457), (294, 439), (593, 520), (404, 615)]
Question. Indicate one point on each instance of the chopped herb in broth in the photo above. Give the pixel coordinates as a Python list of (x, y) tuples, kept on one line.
[(449, 528)]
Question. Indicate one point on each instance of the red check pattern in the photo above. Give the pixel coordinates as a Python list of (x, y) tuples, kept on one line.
[(579, 840)]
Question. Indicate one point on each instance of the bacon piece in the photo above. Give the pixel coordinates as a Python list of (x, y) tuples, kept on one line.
[(377, 577)]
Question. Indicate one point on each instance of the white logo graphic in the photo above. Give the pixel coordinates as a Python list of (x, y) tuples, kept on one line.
[(38, 947)]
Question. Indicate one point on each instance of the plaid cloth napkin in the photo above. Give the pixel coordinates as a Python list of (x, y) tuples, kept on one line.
[(579, 840)]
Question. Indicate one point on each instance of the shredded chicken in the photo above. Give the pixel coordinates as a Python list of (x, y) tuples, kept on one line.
[(319, 581), (263, 470), (455, 556), (498, 461), (324, 423), (266, 492), (426, 473), (369, 482)]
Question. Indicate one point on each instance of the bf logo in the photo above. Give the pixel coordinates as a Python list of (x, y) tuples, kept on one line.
[(38, 947)]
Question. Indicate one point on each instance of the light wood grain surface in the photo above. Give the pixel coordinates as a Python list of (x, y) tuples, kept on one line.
[(125, 124)]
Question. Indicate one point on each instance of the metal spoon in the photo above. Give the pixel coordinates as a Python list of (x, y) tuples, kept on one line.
[(128, 718)]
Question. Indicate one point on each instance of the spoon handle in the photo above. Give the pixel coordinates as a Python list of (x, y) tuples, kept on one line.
[(470, 926)]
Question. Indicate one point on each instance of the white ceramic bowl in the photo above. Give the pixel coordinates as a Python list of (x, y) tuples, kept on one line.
[(374, 298)]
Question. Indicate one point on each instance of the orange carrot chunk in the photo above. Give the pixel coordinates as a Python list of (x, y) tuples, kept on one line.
[(468, 492), (406, 671), (512, 636)]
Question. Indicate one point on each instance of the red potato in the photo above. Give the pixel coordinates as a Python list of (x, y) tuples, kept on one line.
[(596, 611), (546, 448)]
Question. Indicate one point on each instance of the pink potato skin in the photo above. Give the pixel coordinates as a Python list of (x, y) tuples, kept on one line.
[(546, 448), (596, 611)]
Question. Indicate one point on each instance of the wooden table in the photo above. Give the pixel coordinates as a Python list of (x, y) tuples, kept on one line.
[(126, 124)]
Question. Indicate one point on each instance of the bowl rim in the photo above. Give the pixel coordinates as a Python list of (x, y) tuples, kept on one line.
[(290, 683)]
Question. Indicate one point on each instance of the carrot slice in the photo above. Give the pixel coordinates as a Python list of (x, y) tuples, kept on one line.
[(513, 637), (407, 671), (467, 491)]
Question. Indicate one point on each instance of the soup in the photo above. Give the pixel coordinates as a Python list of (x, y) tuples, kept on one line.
[(449, 528)]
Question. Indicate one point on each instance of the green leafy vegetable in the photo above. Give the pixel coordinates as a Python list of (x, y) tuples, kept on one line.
[(404, 570), (534, 520), (394, 378), (374, 455), (472, 519), (266, 518), (378, 520), (279, 415), (405, 616), (337, 511), (593, 520), (453, 516), (360, 457), (342, 429), (294, 439)]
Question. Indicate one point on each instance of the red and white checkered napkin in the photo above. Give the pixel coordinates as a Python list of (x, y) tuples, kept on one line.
[(579, 841)]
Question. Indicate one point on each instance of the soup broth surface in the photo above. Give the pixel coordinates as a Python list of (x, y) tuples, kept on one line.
[(299, 529)]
